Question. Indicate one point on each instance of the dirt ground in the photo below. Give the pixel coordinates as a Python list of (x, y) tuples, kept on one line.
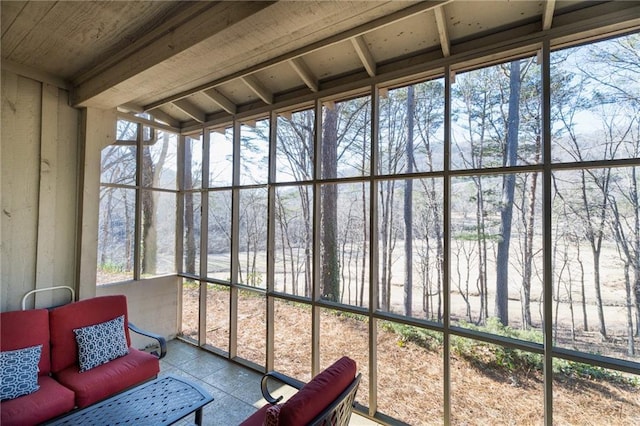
[(409, 377)]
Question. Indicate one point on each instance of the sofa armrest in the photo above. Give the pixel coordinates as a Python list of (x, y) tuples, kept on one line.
[(161, 340), (281, 378)]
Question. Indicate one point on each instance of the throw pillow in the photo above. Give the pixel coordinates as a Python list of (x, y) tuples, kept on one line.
[(101, 343), (271, 416), (19, 372)]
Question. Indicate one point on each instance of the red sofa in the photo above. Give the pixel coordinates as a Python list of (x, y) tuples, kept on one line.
[(326, 400), (62, 386)]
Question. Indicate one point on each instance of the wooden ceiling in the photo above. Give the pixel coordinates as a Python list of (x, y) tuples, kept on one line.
[(189, 63)]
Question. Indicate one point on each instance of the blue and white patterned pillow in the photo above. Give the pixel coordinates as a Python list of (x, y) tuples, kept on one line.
[(101, 343), (19, 372)]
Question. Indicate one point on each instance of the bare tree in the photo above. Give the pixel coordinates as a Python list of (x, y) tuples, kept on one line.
[(408, 208), (508, 191), (330, 267)]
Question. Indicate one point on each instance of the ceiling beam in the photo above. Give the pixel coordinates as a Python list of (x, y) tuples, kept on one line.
[(616, 17), (160, 115), (547, 14), (365, 55), (191, 110), (301, 68), (257, 88), (34, 73), (408, 12), (221, 100), (443, 32), (131, 108), (197, 22)]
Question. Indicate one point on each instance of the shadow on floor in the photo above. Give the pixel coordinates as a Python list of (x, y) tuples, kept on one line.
[(235, 389)]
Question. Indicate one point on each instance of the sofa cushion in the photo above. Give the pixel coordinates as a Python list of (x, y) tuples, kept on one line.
[(101, 343), (64, 319), (51, 400), (19, 372), (316, 395), (105, 380), (21, 329)]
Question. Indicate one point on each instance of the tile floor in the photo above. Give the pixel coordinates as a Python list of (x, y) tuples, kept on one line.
[(236, 389)]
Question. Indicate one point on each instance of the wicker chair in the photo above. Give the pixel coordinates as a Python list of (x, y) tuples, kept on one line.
[(328, 399)]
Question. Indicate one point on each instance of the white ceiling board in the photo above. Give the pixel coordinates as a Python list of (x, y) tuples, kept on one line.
[(238, 92), (334, 61), (175, 112), (280, 78), (203, 102), (19, 19), (466, 18), (65, 38), (413, 34)]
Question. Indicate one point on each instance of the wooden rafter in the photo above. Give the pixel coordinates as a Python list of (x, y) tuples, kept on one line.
[(221, 100), (413, 10), (162, 116), (365, 55), (301, 68), (547, 14), (257, 88), (441, 23), (191, 110)]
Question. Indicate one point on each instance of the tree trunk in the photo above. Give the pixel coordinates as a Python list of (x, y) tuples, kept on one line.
[(330, 280), (189, 232), (627, 283), (635, 202), (528, 252), (149, 234), (595, 235), (283, 238), (508, 190), (482, 251), (408, 210)]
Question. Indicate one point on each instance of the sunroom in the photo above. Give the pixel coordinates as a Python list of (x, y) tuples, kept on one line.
[(447, 192)]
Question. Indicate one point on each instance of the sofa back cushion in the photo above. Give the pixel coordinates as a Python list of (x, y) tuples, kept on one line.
[(22, 329), (64, 319), (316, 395)]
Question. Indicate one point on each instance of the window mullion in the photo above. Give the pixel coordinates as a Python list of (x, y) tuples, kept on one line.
[(547, 234), (235, 243), (317, 200), (446, 216), (273, 132), (204, 238), (373, 253), (137, 233)]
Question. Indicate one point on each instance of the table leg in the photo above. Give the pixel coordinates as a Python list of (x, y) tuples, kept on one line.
[(199, 416)]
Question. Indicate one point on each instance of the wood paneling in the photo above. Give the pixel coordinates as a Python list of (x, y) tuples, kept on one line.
[(21, 103), (39, 197)]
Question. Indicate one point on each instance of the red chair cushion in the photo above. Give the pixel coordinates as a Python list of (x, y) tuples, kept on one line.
[(316, 395), (21, 329), (64, 350), (107, 379), (51, 400)]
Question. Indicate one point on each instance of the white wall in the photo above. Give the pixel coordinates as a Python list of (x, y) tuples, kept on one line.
[(152, 304), (39, 181)]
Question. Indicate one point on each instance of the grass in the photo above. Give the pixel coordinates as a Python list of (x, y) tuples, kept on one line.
[(504, 359)]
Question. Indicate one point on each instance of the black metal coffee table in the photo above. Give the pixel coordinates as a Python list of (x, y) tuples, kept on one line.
[(160, 402)]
